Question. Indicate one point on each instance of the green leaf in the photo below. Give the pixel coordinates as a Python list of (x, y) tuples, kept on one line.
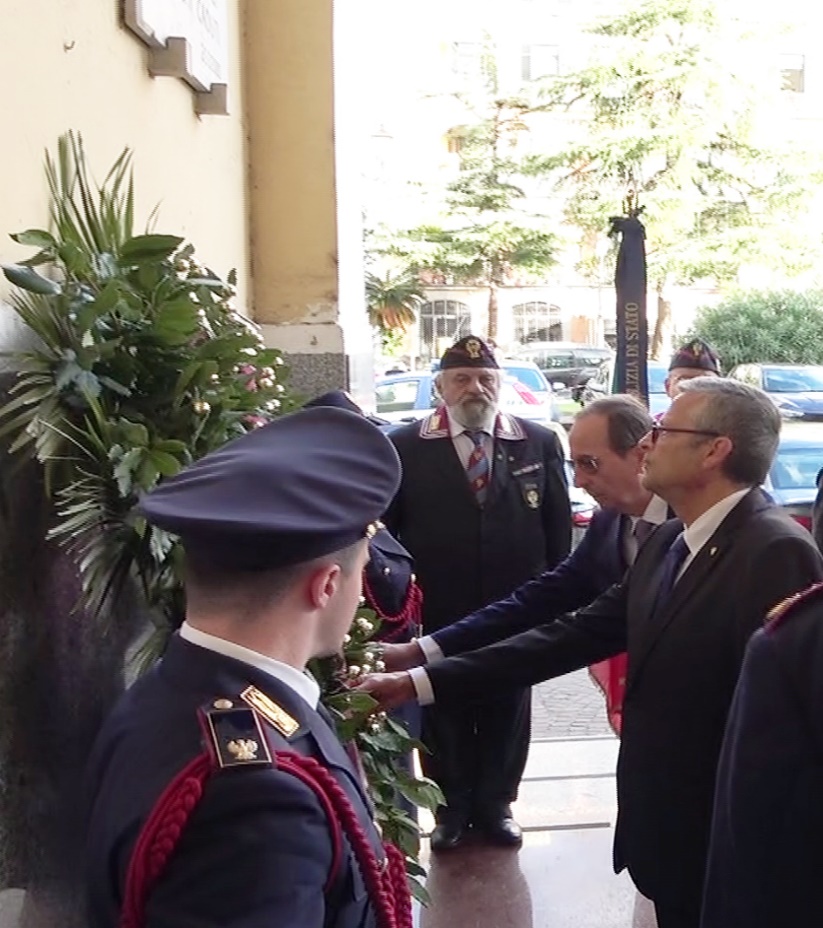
[(27, 279), (166, 464), (148, 248), (134, 433), (35, 237)]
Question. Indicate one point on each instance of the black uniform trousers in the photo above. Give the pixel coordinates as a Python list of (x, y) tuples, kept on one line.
[(478, 754)]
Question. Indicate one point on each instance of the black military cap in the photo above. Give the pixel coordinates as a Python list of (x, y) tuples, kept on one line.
[(303, 486), (696, 355), (339, 399), (470, 351)]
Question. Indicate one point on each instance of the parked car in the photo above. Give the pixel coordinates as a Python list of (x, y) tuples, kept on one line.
[(797, 389), (565, 362), (792, 480), (603, 384), (402, 398), (415, 395)]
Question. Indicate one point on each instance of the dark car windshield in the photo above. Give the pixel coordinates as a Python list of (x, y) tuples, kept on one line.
[(792, 379)]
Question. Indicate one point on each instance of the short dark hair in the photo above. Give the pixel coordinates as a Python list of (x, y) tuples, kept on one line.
[(212, 583), (747, 416), (627, 419)]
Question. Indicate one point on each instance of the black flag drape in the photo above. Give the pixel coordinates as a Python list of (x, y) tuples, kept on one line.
[(630, 285)]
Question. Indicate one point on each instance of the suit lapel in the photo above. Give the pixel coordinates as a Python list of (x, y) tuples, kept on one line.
[(654, 623)]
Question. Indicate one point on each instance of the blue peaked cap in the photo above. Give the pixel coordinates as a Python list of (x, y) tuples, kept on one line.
[(300, 487)]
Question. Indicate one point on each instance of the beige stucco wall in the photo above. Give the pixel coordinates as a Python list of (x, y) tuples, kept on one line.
[(71, 65)]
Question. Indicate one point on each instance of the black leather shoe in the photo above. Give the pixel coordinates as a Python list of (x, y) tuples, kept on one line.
[(504, 832), (447, 836)]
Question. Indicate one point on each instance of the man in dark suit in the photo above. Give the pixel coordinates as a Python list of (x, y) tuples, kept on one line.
[(684, 613), (765, 855), (220, 794), (607, 461), (482, 507)]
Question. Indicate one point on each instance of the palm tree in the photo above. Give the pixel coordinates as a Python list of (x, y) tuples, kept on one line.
[(393, 300)]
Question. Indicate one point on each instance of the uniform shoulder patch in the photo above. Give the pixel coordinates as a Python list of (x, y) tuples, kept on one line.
[(787, 607), (275, 715), (235, 736)]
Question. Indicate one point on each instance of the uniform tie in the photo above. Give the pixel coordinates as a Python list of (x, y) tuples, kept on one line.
[(672, 563), (478, 470)]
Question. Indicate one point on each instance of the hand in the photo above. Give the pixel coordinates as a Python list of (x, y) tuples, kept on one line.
[(389, 689), (402, 656)]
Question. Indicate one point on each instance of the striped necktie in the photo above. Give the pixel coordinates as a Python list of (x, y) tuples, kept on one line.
[(478, 469)]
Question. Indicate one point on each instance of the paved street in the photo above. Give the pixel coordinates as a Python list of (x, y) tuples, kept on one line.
[(569, 707)]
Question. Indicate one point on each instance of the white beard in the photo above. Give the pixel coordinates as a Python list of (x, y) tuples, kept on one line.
[(474, 416)]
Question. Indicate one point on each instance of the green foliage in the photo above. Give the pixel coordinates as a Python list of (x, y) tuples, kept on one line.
[(783, 326), (141, 366), (392, 300), (666, 119), (381, 742), (488, 239)]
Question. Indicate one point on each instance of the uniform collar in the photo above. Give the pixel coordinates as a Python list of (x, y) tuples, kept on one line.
[(300, 683), (440, 425)]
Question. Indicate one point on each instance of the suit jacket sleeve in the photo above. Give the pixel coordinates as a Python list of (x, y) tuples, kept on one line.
[(766, 748), (571, 585), (556, 511), (549, 651)]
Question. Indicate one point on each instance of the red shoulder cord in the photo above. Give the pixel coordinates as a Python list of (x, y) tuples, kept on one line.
[(387, 886), (410, 613)]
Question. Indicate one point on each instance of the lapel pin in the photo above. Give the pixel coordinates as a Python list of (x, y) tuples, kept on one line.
[(712, 551)]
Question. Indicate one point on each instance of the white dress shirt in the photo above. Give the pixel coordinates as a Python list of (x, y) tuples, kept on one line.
[(294, 679), (703, 527)]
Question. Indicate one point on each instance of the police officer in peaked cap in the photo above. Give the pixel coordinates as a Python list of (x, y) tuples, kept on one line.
[(220, 792)]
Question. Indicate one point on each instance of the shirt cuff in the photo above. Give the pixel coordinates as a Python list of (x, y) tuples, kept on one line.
[(422, 686), (431, 649)]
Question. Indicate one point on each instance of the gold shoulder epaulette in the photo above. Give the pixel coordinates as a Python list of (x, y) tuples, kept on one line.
[(786, 607), (275, 715), (237, 739)]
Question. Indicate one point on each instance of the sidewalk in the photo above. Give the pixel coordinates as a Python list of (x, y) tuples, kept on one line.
[(562, 877)]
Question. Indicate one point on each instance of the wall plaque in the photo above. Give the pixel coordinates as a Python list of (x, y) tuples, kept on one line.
[(188, 39)]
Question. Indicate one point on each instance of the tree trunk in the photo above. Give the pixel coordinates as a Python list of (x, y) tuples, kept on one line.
[(661, 343), (492, 327)]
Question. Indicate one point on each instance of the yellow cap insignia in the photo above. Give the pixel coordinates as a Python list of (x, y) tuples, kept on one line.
[(473, 348), (271, 712)]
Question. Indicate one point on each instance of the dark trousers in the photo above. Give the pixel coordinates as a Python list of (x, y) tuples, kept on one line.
[(477, 754), (669, 916)]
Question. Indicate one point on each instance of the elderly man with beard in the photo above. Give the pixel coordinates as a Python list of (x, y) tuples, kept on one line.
[(482, 507)]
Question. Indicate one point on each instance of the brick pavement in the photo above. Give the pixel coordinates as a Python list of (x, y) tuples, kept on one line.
[(568, 707)]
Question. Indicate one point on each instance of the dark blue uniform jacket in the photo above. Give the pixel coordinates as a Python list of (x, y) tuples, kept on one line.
[(765, 865), (257, 849)]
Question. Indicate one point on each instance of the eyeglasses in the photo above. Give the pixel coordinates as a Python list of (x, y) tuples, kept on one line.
[(656, 431), (585, 462)]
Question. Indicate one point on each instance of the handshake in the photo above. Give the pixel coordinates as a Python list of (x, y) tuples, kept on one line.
[(394, 687)]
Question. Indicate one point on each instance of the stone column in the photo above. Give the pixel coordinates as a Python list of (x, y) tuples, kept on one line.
[(304, 203)]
